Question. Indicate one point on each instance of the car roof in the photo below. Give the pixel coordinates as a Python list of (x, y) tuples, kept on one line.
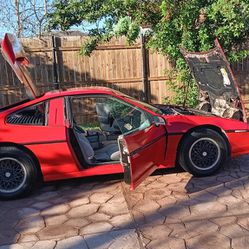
[(81, 90)]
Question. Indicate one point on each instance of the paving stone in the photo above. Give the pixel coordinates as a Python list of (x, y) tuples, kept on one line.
[(117, 199), (48, 244), (26, 212), (240, 243), (77, 222), (9, 221), (156, 185), (167, 201), (76, 242), (27, 244), (244, 222), (167, 243), (79, 201), (47, 196), (28, 238), (208, 241), (220, 191), (145, 206), (55, 210), (108, 187), (59, 200), (156, 232), (12, 246), (177, 187), (98, 241), (156, 194), (155, 218), (224, 220), (57, 232), (8, 236), (139, 217), (100, 197), (200, 227), (125, 239), (178, 230), (41, 205), (114, 208), (175, 213), (244, 193), (96, 227), (233, 231), (32, 224), (208, 209), (133, 197), (171, 178), (122, 221), (55, 220), (99, 217), (232, 209), (228, 200), (83, 210), (203, 196)]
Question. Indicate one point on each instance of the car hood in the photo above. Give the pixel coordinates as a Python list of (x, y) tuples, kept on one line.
[(14, 54), (219, 92)]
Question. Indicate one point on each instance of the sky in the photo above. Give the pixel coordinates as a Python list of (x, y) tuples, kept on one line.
[(8, 17)]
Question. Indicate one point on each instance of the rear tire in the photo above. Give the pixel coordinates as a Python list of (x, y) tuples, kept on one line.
[(18, 173), (203, 152)]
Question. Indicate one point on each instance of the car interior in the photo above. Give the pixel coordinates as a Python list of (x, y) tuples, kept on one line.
[(96, 125)]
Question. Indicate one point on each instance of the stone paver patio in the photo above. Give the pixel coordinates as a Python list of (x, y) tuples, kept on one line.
[(168, 210)]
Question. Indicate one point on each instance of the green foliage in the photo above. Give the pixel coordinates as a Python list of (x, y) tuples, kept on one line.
[(191, 24)]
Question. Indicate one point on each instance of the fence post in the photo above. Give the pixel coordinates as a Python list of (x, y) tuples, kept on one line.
[(55, 63), (146, 90)]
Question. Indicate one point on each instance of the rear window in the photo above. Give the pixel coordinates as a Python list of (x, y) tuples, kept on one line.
[(31, 115)]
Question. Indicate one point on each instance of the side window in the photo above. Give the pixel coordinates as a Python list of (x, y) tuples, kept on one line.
[(125, 116), (108, 114), (84, 112), (31, 115)]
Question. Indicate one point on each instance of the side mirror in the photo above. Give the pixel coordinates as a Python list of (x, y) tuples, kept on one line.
[(159, 121)]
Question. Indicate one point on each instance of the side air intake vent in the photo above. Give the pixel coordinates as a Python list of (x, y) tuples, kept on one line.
[(37, 119), (32, 115)]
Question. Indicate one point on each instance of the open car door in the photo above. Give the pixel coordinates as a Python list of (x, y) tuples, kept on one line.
[(142, 151), (14, 54)]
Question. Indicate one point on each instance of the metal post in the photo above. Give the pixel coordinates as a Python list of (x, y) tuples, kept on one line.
[(55, 63)]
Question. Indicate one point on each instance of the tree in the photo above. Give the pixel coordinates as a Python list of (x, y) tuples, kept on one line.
[(192, 24), (25, 17)]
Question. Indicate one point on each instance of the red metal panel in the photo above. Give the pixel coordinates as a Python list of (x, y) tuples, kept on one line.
[(146, 152)]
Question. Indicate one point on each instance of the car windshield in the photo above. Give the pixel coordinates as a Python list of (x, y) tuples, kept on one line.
[(146, 105)]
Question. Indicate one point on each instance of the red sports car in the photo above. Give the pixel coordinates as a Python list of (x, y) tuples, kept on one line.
[(97, 131)]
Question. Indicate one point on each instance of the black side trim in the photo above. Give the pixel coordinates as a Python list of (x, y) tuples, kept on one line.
[(237, 131), (147, 145), (176, 133), (45, 142)]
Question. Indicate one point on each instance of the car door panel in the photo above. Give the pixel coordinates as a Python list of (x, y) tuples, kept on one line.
[(142, 152)]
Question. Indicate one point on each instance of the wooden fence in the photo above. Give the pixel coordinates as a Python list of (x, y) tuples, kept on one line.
[(114, 64)]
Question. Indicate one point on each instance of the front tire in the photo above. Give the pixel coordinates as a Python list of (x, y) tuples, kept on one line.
[(203, 152), (18, 173)]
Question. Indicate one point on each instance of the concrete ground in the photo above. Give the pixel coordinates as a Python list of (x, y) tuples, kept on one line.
[(168, 210)]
